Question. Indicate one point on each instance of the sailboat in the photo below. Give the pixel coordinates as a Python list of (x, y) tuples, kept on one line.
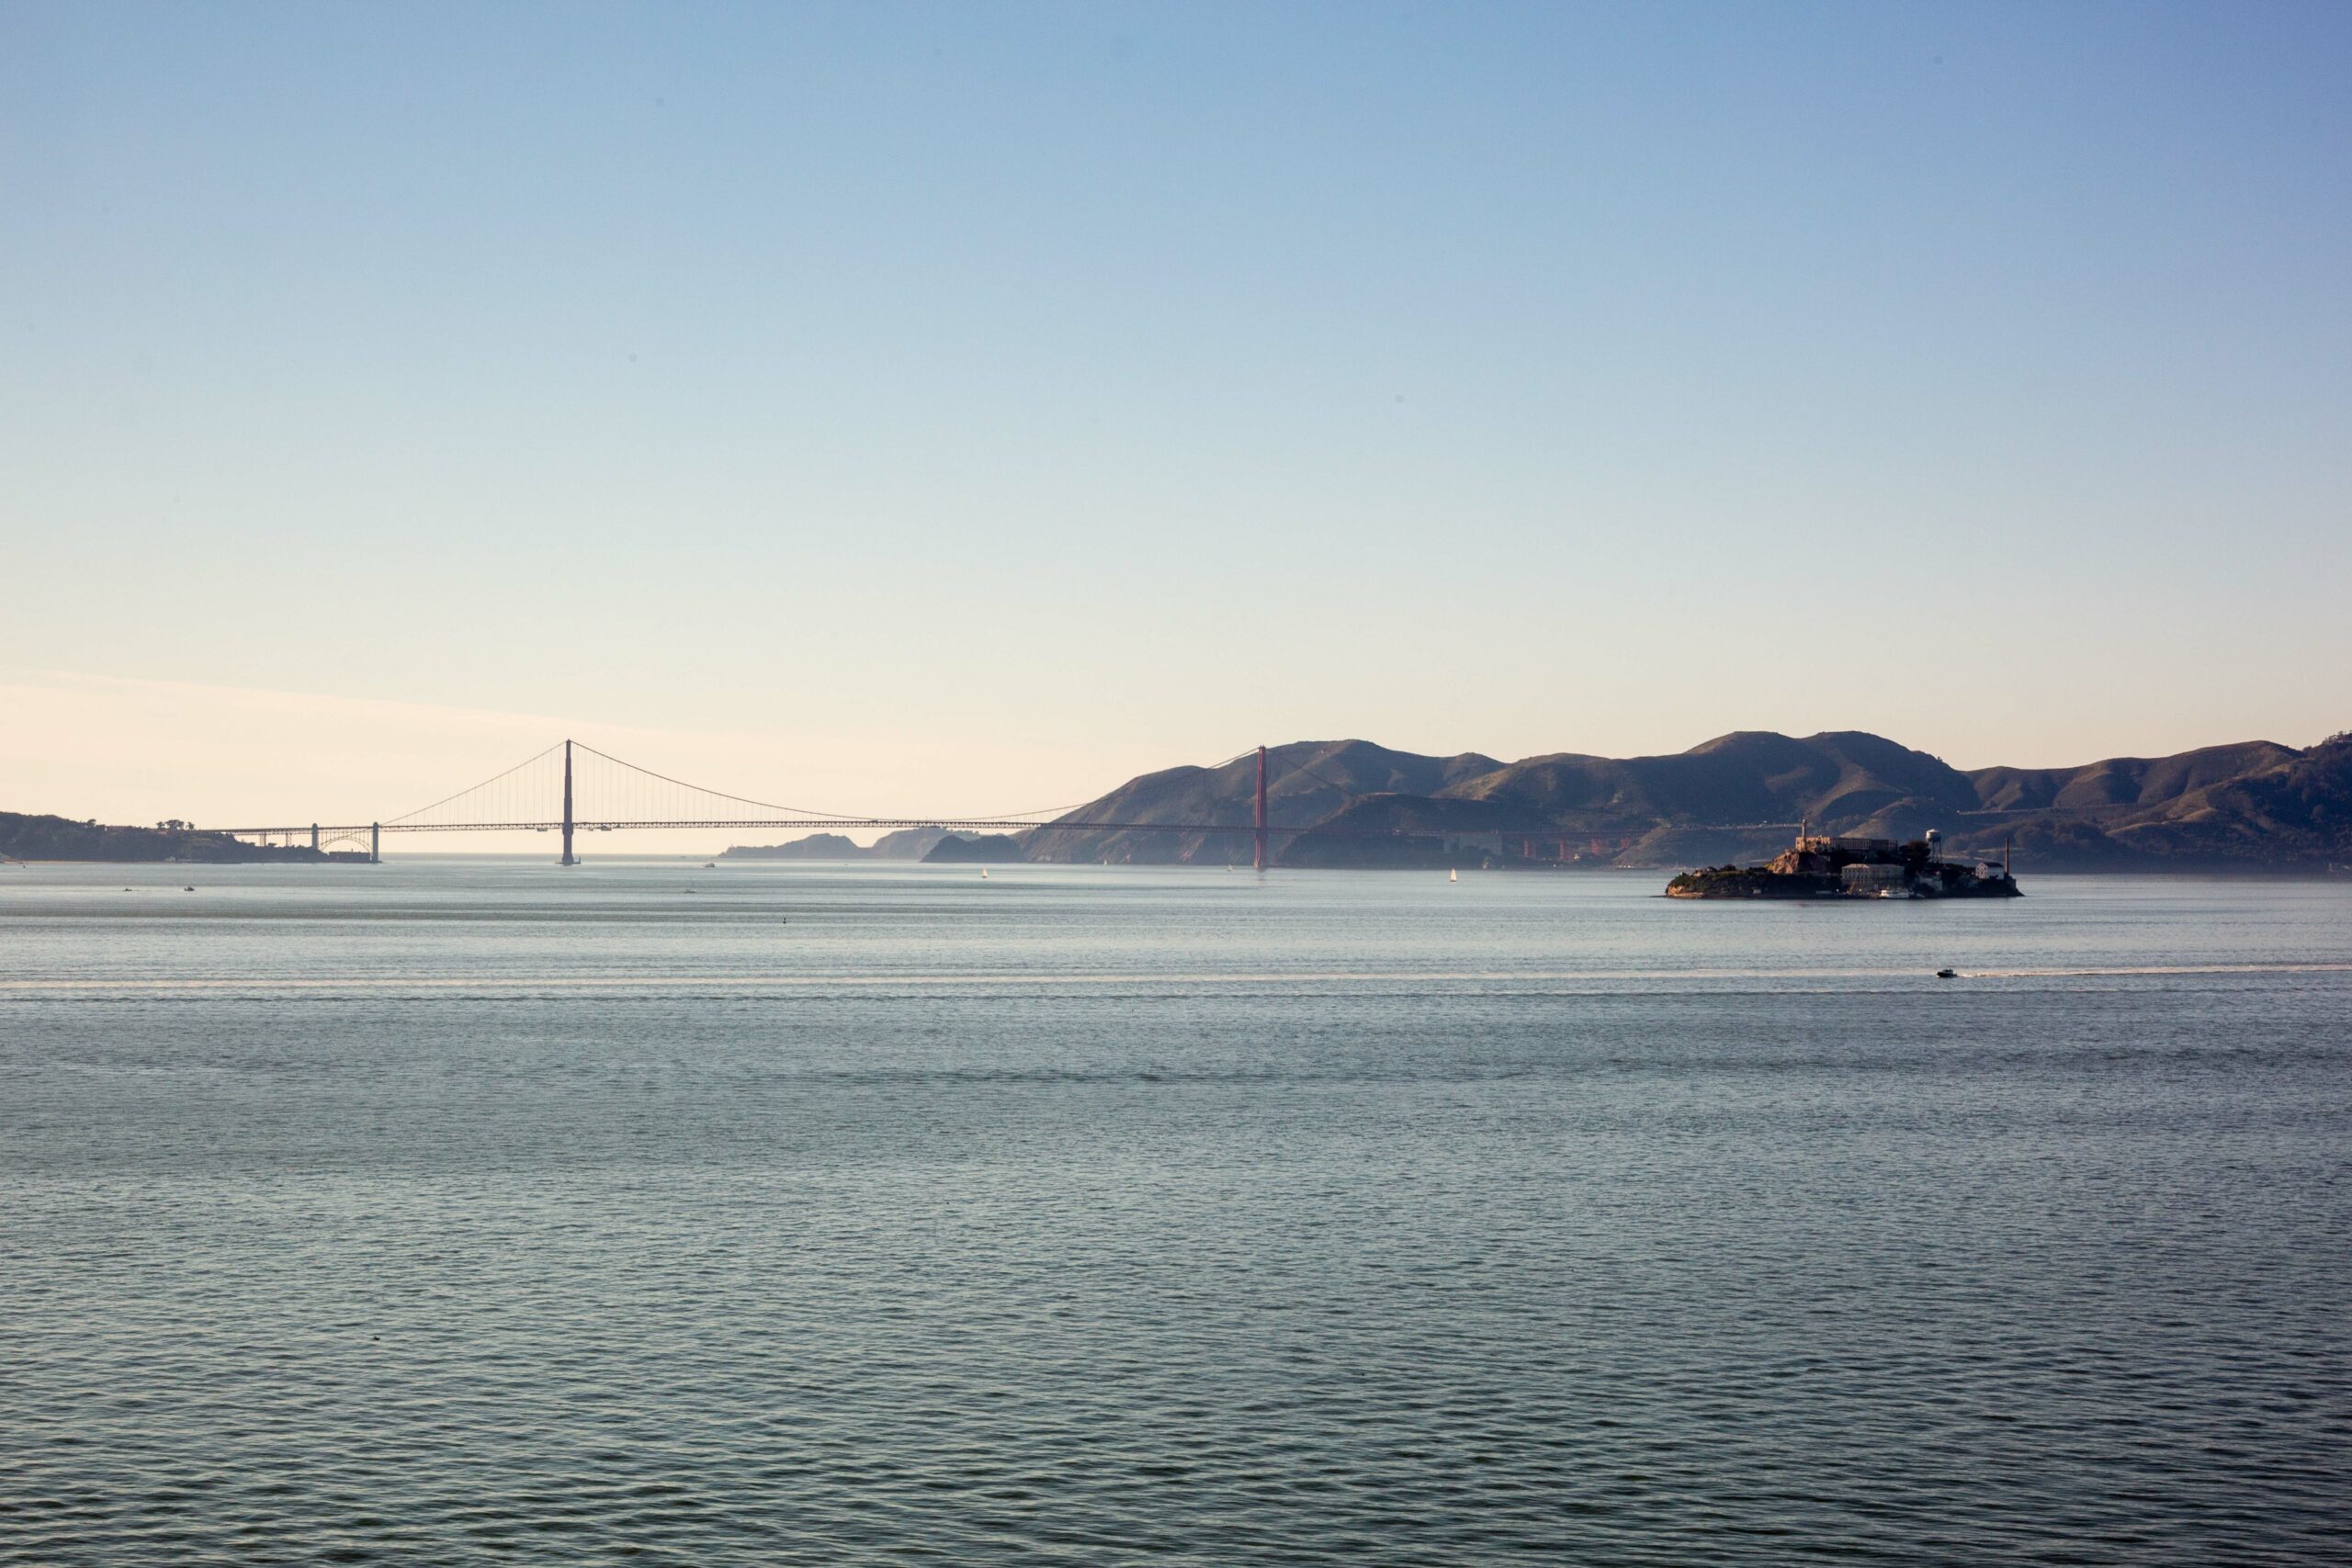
[(984, 874), (1454, 876)]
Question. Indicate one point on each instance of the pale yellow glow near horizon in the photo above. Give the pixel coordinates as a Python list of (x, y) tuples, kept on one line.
[(140, 751)]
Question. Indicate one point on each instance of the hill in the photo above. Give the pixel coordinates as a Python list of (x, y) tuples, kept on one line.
[(25, 837), (2126, 781), (906, 843), (2288, 810), (974, 848), (813, 846), (1307, 781), (2252, 807)]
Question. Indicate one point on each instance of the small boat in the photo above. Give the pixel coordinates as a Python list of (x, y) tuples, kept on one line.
[(1947, 974), (710, 865)]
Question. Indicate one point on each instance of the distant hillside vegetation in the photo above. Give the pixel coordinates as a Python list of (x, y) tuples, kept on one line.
[(60, 837), (814, 846), (2253, 806), (1307, 781), (974, 848), (906, 843), (2126, 781)]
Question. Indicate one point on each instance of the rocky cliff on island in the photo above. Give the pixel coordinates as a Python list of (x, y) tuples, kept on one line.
[(1848, 867)]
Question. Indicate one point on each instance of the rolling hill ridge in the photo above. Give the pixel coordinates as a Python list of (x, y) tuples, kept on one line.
[(2256, 806)]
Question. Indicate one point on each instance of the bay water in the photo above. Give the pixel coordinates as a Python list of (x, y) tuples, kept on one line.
[(476, 1211)]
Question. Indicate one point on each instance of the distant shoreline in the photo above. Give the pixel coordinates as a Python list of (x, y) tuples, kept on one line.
[(2254, 809)]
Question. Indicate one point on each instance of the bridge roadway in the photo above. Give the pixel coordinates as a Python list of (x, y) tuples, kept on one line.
[(587, 825), (655, 801)]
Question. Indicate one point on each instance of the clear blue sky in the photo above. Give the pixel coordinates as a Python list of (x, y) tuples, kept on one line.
[(1029, 395)]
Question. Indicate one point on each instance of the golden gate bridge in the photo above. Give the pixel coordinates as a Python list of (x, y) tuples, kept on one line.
[(572, 788)]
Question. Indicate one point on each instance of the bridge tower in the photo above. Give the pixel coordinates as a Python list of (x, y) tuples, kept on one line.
[(1258, 837), (568, 859), (375, 843)]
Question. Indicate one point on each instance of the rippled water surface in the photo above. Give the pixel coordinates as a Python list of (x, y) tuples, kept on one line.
[(478, 1211)]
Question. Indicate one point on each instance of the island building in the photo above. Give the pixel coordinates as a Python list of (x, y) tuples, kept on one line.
[(1826, 866)]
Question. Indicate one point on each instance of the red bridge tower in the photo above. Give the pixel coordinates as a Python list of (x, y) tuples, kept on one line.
[(1258, 837)]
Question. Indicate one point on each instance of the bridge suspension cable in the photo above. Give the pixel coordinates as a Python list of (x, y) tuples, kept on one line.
[(487, 787), (605, 790), (572, 787), (809, 811)]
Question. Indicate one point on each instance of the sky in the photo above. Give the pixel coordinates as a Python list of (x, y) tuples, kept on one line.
[(941, 408)]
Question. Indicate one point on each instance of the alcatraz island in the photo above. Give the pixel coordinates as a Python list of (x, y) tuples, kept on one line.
[(1819, 866)]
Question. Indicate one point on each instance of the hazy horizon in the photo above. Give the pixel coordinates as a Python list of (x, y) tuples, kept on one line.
[(247, 758)]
